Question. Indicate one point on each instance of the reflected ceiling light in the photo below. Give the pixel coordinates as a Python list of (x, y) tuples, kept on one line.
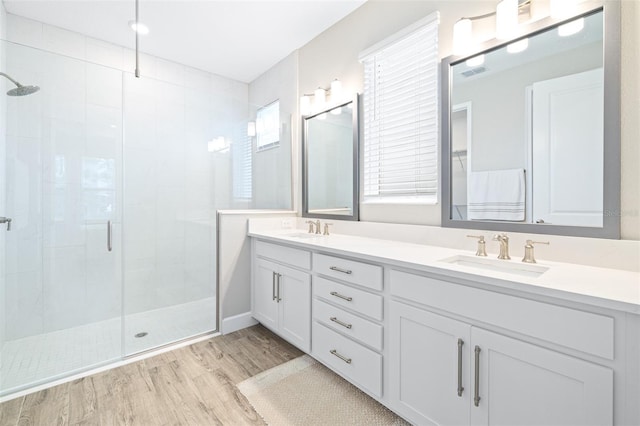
[(462, 37), (476, 61), (571, 28), (322, 116), (219, 144), (518, 46), (506, 19), (139, 27)]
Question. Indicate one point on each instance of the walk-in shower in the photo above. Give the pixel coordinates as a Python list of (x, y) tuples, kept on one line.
[(19, 90), (112, 196)]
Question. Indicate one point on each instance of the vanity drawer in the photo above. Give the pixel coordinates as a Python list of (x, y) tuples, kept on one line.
[(282, 254), (353, 326), (351, 271), (583, 331), (356, 363), (357, 300)]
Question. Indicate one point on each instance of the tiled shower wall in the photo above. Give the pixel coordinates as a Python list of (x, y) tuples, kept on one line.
[(60, 275)]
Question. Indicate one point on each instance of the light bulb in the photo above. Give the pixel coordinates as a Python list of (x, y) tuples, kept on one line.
[(462, 37), (336, 90), (319, 97), (305, 105), (139, 27), (506, 19), (251, 128), (561, 9)]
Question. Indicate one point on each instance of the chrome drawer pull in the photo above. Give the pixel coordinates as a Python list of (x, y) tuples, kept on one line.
[(278, 298), (476, 398), (336, 294), (344, 271), (342, 357), (460, 388), (337, 321)]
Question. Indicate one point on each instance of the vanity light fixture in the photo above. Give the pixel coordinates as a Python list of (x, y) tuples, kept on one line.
[(319, 96), (251, 129), (462, 37), (518, 46), (506, 19)]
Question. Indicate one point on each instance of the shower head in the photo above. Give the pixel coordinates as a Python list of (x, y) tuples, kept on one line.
[(23, 90), (20, 90)]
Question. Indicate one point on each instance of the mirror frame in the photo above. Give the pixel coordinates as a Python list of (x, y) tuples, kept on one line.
[(356, 157), (612, 131)]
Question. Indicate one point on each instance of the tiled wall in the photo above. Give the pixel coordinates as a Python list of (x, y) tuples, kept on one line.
[(72, 174)]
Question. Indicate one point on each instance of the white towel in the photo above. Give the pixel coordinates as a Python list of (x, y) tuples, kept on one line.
[(496, 195)]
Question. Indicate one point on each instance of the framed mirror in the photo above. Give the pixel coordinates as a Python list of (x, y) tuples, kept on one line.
[(330, 163), (531, 130)]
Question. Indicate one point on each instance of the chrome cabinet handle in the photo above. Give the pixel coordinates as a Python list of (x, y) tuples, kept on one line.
[(273, 285), (342, 357), (6, 220), (344, 324), (460, 388), (336, 294), (279, 276), (344, 271), (109, 246), (476, 397)]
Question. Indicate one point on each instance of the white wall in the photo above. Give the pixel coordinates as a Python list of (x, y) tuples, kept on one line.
[(234, 264), (272, 173), (334, 54)]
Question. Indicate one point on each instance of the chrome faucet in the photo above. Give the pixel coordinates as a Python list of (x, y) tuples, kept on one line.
[(6, 220), (504, 246)]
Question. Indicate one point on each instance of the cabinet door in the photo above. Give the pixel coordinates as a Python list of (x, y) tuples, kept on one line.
[(265, 305), (294, 294), (524, 384), (425, 364)]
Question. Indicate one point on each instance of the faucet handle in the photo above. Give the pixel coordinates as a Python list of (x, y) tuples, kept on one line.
[(326, 228), (528, 250), (481, 250), (311, 225)]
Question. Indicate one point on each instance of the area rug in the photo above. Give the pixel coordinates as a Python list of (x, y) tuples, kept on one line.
[(304, 392)]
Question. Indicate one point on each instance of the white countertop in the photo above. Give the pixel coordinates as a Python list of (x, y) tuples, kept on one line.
[(607, 288)]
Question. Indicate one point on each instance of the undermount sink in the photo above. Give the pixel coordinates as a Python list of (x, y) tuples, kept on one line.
[(303, 235), (505, 266)]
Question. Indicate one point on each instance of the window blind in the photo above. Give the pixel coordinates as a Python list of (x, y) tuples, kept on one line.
[(242, 170), (400, 105)]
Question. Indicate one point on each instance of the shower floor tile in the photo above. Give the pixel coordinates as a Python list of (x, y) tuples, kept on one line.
[(38, 359)]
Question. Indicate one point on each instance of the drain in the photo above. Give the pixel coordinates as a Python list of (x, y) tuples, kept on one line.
[(141, 334)]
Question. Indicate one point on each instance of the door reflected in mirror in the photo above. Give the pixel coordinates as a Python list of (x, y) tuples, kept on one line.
[(527, 130), (330, 163)]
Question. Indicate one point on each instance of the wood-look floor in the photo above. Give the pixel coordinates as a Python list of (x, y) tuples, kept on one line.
[(194, 385)]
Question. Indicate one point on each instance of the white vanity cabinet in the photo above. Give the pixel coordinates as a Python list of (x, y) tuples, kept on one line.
[(347, 315), (281, 295), (447, 371)]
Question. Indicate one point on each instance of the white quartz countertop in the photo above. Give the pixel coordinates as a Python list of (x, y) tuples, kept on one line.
[(607, 288)]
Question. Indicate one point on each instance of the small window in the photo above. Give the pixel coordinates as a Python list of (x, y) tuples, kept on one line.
[(400, 101), (268, 126)]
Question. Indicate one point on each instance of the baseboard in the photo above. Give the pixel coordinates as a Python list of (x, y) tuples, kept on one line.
[(237, 322)]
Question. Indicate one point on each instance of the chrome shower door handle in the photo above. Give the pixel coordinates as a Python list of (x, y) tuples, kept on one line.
[(109, 236), (460, 387), (6, 220)]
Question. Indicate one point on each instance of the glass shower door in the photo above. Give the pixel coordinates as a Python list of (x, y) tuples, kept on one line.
[(61, 281)]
